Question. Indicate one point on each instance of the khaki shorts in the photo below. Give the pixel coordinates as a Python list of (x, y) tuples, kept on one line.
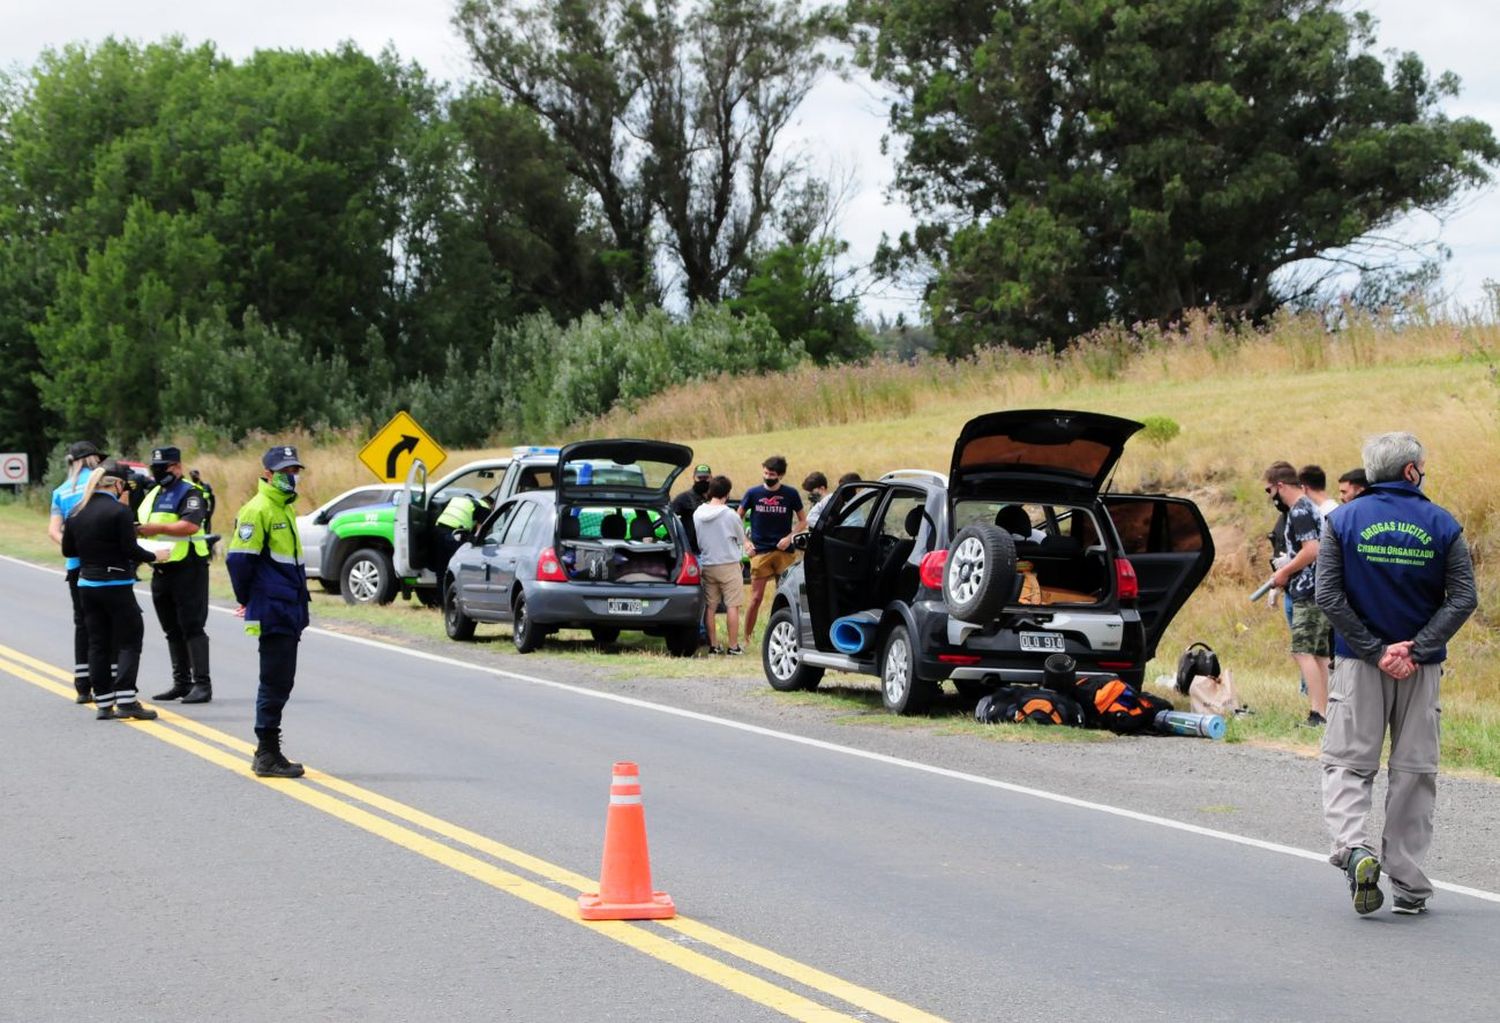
[(1309, 629), (723, 582), (771, 564)]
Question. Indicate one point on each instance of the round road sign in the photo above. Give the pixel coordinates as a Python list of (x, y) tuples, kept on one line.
[(13, 469)]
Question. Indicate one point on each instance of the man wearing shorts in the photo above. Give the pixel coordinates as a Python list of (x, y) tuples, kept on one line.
[(1298, 577), (776, 514), (721, 541)]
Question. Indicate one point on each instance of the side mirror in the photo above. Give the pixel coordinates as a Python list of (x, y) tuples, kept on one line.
[(322, 518), (799, 542)]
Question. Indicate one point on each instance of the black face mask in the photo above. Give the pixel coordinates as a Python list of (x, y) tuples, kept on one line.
[(1281, 505), (700, 487), (162, 476)]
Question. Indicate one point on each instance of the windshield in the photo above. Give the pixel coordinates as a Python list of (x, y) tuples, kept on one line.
[(605, 473)]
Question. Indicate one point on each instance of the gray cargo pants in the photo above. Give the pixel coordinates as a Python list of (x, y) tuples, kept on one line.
[(1363, 702)]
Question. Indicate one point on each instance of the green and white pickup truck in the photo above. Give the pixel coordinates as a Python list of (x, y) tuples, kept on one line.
[(377, 551)]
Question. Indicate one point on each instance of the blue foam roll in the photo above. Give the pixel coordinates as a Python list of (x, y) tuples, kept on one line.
[(852, 634), (1182, 722)]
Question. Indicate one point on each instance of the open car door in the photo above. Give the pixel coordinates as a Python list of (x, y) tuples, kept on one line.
[(1171, 549), (839, 565), (410, 518)]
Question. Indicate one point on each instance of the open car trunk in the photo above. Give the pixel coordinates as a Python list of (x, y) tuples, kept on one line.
[(618, 544), (1060, 558)]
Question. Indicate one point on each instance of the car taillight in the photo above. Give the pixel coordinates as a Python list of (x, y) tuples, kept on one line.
[(549, 569), (1125, 581), (688, 574), (931, 570)]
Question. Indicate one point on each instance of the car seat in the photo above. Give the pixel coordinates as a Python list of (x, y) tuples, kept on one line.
[(641, 527), (569, 529), (1013, 519), (889, 582), (612, 527)]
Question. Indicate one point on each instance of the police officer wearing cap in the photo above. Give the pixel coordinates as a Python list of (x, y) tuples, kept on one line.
[(83, 458), (175, 509), (100, 533), (265, 567)]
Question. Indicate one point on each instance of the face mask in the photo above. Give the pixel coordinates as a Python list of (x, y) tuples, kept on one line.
[(163, 476), (700, 487), (1281, 505), (286, 482)]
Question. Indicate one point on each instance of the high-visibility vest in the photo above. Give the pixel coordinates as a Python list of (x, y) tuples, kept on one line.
[(459, 514), (160, 506)]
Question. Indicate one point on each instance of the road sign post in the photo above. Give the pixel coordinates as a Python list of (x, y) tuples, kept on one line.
[(15, 469), (390, 453)]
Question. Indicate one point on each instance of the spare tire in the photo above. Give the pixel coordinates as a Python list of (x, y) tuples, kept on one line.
[(980, 574)]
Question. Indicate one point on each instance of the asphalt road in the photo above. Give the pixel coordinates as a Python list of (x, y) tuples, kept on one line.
[(426, 868)]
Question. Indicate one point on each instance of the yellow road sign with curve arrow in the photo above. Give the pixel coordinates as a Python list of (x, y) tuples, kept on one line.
[(396, 445)]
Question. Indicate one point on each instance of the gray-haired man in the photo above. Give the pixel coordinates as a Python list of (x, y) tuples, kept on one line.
[(1396, 580)]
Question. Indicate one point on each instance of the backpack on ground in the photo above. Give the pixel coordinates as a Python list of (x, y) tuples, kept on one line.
[(1110, 703), (1029, 703)]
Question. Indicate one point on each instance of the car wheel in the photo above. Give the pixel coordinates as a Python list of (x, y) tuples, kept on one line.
[(458, 625), (604, 634), (329, 586), (980, 574), (900, 689), (528, 636), (781, 655), (682, 641), (368, 577)]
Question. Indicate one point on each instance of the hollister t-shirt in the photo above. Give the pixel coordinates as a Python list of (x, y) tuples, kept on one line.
[(772, 514)]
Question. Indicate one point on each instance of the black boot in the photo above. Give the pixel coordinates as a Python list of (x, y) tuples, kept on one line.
[(177, 692), (134, 710), (200, 693), (104, 714), (85, 695), (268, 762)]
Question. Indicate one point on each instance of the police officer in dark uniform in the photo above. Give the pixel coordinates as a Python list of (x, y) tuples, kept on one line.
[(208, 497), (174, 510)]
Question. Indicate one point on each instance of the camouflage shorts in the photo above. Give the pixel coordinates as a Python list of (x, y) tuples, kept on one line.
[(1309, 629)]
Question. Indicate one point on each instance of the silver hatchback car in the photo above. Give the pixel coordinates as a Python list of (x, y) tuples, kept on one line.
[(601, 551)]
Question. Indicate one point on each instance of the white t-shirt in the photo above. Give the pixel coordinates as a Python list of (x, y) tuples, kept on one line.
[(1326, 505), (721, 535)]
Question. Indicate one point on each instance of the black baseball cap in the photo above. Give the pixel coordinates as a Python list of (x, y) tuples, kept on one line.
[(114, 470), (702, 470), (165, 456), (82, 449), (282, 457)]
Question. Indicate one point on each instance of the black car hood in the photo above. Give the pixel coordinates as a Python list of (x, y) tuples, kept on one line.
[(1050, 447)]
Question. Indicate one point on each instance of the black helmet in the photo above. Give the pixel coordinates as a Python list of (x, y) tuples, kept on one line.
[(1059, 672), (1197, 659)]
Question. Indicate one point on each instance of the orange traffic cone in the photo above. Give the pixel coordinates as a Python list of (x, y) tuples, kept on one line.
[(625, 876)]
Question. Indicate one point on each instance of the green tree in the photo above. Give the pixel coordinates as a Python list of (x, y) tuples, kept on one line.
[(1073, 161), (667, 117)]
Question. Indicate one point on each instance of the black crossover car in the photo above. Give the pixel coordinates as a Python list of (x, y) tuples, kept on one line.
[(1017, 553), (600, 550)]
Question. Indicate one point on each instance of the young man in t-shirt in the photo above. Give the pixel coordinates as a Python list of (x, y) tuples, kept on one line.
[(1297, 577), (775, 515), (721, 542)]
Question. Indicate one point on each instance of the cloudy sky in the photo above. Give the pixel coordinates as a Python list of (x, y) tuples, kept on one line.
[(840, 126)]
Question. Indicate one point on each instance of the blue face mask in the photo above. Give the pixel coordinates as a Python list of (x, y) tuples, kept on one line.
[(286, 482)]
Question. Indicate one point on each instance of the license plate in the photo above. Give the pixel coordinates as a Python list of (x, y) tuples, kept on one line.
[(1042, 642), (627, 606)]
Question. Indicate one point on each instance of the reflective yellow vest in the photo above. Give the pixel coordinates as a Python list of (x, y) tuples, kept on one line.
[(149, 512)]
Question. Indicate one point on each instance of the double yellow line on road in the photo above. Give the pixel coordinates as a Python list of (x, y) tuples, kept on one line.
[(354, 805)]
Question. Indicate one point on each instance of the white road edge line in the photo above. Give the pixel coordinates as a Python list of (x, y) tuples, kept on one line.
[(832, 747)]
